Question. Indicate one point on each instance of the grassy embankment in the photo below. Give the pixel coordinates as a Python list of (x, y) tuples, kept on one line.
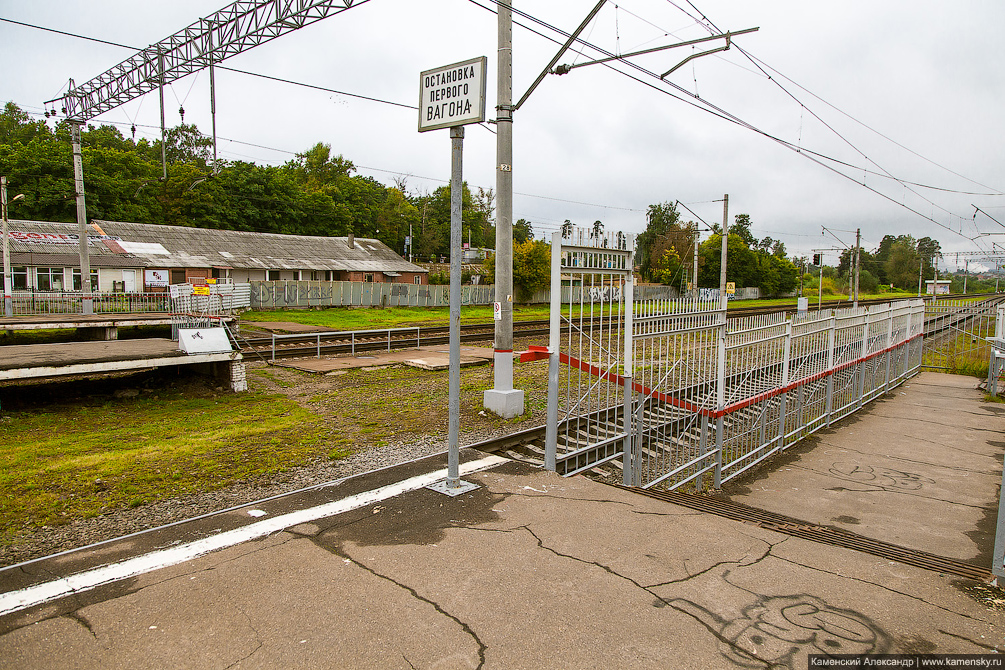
[(76, 458)]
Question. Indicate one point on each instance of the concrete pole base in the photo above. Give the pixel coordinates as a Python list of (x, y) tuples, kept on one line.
[(507, 404), (503, 400)]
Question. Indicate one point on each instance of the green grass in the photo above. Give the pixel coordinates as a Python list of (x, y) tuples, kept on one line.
[(79, 460), (351, 318)]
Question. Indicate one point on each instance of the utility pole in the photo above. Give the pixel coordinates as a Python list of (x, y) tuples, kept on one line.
[(8, 281), (722, 258), (164, 165), (694, 271), (858, 261), (503, 399), (87, 300), (921, 265), (966, 275), (820, 285)]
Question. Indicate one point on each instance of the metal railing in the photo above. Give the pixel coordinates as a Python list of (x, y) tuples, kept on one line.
[(957, 332), (675, 392), (353, 336), (225, 297), (70, 302)]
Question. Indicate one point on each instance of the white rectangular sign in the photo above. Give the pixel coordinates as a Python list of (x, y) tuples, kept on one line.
[(153, 278), (453, 95)]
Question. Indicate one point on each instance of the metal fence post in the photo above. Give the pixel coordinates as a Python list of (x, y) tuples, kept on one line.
[(889, 348), (554, 342), (720, 390), (862, 362), (829, 409), (629, 463), (273, 347), (783, 398), (998, 558), (719, 425)]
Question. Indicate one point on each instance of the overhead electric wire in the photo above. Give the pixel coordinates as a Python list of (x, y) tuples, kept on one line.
[(218, 67), (690, 99), (712, 28), (873, 130), (721, 113)]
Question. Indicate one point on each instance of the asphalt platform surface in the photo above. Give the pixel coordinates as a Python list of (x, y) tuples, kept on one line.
[(531, 570)]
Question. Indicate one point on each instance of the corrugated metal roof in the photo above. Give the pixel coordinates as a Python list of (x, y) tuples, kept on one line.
[(150, 245)]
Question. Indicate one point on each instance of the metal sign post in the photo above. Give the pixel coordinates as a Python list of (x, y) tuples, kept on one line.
[(451, 97)]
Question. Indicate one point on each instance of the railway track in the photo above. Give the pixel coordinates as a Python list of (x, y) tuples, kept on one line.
[(346, 343)]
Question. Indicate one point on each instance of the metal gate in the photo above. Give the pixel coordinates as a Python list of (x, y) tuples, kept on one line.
[(672, 392), (591, 292), (957, 332)]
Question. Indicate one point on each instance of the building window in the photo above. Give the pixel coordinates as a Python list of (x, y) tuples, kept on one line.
[(76, 279), (329, 275), (178, 277), (368, 277), (272, 275), (417, 279), (20, 278), (49, 279)]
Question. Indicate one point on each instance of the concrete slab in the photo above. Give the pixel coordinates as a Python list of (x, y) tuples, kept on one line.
[(529, 570), (427, 358), (532, 570), (81, 358), (920, 468), (55, 355), (105, 320)]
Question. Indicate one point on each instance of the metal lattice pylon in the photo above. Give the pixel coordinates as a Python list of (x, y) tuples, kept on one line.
[(235, 28)]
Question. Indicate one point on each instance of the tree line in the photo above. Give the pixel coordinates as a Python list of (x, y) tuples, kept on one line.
[(315, 193), (319, 193)]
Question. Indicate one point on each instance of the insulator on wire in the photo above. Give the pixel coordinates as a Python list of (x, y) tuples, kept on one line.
[(181, 112), (64, 110), (133, 128)]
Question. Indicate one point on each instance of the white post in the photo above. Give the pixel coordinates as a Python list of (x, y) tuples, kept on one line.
[(631, 476), (554, 342), (8, 299), (503, 399), (87, 300), (454, 400)]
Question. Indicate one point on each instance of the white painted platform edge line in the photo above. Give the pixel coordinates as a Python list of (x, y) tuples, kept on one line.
[(89, 579)]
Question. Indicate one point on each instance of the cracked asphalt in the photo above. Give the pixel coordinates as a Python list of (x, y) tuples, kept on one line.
[(532, 570)]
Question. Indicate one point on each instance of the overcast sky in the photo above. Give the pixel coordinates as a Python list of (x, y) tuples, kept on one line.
[(596, 144)]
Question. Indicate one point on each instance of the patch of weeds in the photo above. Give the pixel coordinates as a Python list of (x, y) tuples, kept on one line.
[(992, 597)]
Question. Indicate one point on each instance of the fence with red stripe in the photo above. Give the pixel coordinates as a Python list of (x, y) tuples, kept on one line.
[(673, 391)]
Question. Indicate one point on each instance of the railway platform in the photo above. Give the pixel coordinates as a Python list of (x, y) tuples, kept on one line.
[(534, 570), (20, 362)]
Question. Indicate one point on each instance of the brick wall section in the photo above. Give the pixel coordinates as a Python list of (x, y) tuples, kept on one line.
[(238, 377)]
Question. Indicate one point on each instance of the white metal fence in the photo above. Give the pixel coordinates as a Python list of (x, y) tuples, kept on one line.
[(67, 302), (672, 392), (306, 294), (957, 332), (222, 298)]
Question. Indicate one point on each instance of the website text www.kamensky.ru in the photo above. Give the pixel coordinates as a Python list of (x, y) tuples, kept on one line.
[(934, 661)]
